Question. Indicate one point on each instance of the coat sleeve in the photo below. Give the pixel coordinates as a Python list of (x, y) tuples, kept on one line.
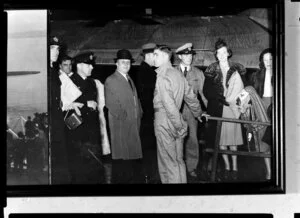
[(103, 131), (191, 100), (201, 85), (101, 97), (112, 101), (210, 89), (235, 87)]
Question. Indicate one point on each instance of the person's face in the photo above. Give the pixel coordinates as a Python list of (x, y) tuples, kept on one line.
[(222, 54), (86, 69), (186, 59), (123, 65), (160, 58), (150, 58), (268, 60), (66, 66), (54, 52)]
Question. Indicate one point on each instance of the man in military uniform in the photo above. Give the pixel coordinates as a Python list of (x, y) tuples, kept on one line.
[(146, 78), (195, 78), (170, 128), (84, 148), (59, 173)]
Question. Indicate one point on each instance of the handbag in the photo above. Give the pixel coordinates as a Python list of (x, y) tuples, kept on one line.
[(73, 121)]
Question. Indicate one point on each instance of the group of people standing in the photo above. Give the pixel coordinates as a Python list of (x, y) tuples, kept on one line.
[(121, 119), (27, 150)]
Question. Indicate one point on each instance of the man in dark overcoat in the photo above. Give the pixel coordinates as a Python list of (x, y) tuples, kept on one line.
[(84, 146), (146, 78), (124, 113), (59, 173)]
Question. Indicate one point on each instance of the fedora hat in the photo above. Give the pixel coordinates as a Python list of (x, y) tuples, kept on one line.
[(148, 48), (124, 54)]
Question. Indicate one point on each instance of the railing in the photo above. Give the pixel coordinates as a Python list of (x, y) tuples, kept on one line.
[(216, 151)]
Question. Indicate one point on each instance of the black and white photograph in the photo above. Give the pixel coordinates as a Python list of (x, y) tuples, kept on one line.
[(141, 109), (140, 95)]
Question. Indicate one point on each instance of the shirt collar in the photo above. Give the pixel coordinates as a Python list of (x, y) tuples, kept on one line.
[(70, 74), (123, 74), (182, 67)]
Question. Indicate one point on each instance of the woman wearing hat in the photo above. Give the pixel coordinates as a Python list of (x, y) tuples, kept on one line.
[(223, 82)]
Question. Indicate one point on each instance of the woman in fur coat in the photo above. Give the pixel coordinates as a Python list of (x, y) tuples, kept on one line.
[(223, 82)]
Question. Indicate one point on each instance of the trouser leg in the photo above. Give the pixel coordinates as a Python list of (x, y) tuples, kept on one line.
[(121, 171), (180, 161), (73, 160), (162, 169), (192, 146), (59, 163), (138, 173), (107, 165), (149, 147), (170, 169)]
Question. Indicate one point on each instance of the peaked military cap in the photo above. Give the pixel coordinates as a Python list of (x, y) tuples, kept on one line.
[(148, 48), (86, 57), (55, 41), (185, 49)]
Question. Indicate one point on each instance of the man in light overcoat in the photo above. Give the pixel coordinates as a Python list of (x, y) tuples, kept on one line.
[(124, 115)]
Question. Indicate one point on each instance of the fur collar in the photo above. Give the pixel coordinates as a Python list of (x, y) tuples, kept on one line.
[(214, 71)]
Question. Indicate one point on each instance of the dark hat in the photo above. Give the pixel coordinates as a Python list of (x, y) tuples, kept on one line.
[(55, 41), (148, 48), (86, 58), (185, 49), (124, 54)]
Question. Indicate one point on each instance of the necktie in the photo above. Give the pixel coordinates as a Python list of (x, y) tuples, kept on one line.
[(129, 81), (185, 71)]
